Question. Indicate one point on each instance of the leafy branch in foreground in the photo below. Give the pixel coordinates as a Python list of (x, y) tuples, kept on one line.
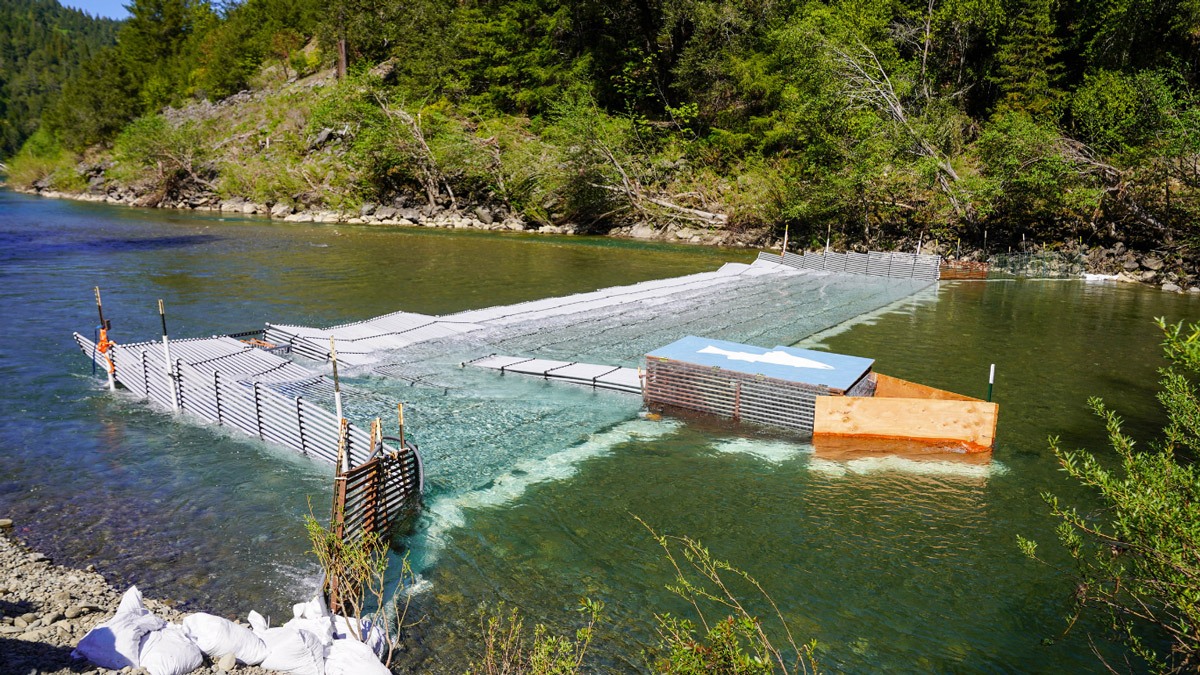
[(508, 652), (737, 643), (1137, 557), (355, 573)]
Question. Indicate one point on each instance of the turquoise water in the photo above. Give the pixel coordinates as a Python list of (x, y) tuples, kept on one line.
[(890, 565)]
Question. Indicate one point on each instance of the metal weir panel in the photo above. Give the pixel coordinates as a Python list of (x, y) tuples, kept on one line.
[(894, 265), (227, 382)]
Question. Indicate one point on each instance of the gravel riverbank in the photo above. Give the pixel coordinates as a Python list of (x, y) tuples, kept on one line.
[(46, 608)]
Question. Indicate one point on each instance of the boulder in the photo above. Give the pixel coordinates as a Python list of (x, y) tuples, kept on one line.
[(643, 231), (385, 212), (281, 210), (1152, 263), (1171, 288), (367, 209), (483, 215)]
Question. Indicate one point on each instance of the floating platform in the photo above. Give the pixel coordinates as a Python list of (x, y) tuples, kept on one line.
[(596, 376)]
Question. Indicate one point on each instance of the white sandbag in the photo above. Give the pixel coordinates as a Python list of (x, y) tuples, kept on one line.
[(289, 650), (169, 651), (313, 609), (257, 623), (217, 636), (132, 602), (351, 657), (116, 643), (349, 628), (322, 628)]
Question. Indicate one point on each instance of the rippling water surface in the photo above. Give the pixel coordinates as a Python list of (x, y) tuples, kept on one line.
[(890, 564)]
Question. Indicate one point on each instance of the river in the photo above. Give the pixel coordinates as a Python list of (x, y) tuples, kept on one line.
[(890, 565)]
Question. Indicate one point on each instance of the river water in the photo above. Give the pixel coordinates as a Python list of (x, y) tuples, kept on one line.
[(889, 564)]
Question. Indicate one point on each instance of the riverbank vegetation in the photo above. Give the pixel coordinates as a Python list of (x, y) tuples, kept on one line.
[(872, 123), (1135, 558)]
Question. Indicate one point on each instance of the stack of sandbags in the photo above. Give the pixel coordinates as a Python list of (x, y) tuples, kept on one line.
[(135, 638), (313, 642)]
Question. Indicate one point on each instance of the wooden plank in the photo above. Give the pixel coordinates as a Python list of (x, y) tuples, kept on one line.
[(972, 423), (887, 386)]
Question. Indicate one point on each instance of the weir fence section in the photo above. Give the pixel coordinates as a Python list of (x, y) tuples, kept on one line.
[(877, 264), (226, 382)]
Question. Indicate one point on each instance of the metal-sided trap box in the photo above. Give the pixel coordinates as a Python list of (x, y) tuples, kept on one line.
[(826, 395), (776, 387)]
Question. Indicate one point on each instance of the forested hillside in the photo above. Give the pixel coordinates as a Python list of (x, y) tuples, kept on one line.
[(42, 45), (876, 122)]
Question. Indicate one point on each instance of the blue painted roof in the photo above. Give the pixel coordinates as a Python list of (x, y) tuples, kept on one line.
[(837, 371)]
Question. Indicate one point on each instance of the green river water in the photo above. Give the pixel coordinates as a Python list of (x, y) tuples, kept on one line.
[(891, 565)]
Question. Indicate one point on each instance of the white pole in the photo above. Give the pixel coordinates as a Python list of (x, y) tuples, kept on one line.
[(337, 387), (170, 370), (337, 400)]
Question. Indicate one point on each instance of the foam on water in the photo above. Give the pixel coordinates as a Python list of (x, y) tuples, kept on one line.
[(899, 464), (774, 452), (446, 513)]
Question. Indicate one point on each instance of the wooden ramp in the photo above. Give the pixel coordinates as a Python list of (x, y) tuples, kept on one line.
[(906, 410), (596, 376)]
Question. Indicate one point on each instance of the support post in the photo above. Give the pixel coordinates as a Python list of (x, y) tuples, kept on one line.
[(170, 374), (337, 385), (300, 426), (258, 412), (104, 344), (400, 412), (991, 382), (217, 394)]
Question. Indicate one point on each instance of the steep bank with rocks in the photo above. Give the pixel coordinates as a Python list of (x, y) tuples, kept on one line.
[(45, 609)]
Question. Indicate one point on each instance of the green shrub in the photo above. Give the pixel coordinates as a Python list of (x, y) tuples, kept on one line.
[(165, 156), (42, 159)]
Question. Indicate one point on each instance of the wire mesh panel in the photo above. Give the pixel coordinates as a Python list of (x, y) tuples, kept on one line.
[(1039, 265)]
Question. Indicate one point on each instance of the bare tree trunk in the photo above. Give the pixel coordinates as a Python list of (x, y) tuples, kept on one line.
[(871, 86)]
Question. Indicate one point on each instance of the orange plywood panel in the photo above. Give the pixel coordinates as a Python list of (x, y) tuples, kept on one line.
[(973, 423), (887, 386)]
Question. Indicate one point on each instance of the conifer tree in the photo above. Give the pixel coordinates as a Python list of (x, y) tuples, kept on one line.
[(1028, 71)]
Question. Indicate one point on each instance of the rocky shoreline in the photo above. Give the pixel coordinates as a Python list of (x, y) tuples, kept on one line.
[(1166, 269), (478, 218), (45, 609)]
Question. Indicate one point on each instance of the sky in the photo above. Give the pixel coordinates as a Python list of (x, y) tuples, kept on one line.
[(113, 9)]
